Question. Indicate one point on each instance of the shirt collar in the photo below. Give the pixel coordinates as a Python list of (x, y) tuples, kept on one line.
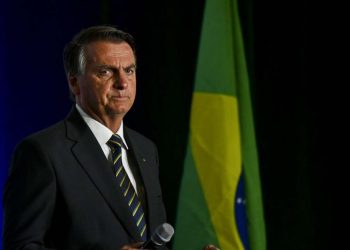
[(100, 131)]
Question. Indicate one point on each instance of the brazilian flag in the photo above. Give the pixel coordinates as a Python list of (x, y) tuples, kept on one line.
[(220, 198)]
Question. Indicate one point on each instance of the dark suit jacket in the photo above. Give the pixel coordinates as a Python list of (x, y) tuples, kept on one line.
[(62, 193)]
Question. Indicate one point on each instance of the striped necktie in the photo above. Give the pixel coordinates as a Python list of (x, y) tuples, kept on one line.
[(130, 196)]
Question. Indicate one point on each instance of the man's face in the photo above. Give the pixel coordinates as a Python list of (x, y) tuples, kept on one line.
[(107, 88)]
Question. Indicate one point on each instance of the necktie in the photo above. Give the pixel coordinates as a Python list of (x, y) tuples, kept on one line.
[(128, 191)]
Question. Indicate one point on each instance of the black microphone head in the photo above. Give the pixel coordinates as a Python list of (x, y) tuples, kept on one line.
[(163, 234)]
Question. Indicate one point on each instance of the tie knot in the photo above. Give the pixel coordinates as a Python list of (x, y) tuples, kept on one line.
[(115, 141)]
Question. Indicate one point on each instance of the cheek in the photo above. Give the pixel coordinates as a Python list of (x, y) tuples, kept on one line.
[(133, 88), (103, 90)]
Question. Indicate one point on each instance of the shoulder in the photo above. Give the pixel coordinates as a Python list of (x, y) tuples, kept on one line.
[(34, 151), (45, 138)]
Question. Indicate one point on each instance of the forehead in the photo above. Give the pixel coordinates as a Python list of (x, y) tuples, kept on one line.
[(103, 51)]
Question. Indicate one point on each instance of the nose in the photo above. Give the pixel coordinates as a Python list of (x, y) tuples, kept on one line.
[(120, 82)]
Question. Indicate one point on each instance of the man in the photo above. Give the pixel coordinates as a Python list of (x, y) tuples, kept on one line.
[(88, 182)]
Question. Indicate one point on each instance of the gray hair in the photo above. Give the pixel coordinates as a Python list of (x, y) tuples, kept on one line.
[(74, 57)]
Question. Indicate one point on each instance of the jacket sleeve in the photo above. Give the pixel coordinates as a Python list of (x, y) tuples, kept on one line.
[(29, 198)]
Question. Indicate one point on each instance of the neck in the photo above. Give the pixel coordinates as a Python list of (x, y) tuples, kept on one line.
[(113, 122), (110, 120)]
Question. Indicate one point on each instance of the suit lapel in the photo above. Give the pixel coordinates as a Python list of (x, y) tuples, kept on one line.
[(89, 154)]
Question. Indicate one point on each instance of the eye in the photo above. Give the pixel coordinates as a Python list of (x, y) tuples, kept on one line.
[(130, 71), (105, 72)]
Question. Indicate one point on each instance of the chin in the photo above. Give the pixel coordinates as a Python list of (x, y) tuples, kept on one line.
[(118, 111)]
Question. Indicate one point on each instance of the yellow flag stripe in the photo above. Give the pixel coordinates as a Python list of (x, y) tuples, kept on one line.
[(215, 140)]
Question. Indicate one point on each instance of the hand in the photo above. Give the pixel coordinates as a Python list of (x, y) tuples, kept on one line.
[(134, 246), (210, 247)]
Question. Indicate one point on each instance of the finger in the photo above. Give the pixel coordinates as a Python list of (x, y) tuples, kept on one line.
[(210, 247), (133, 246)]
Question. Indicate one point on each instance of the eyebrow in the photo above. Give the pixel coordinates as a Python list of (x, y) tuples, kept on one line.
[(133, 65), (101, 66)]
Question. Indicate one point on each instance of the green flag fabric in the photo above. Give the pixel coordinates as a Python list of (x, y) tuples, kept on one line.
[(221, 149)]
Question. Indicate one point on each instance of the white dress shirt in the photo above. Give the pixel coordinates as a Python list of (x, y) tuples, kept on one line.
[(103, 134)]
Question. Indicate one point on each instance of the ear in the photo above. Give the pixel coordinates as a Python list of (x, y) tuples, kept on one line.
[(73, 85)]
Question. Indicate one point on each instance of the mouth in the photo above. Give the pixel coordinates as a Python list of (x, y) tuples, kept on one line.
[(119, 98)]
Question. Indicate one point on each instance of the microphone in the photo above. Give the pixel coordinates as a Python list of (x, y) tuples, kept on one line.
[(160, 237)]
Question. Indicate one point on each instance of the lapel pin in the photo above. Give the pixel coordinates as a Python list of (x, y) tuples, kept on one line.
[(143, 159)]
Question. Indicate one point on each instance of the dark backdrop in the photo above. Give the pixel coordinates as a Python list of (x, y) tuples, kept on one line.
[(34, 94)]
